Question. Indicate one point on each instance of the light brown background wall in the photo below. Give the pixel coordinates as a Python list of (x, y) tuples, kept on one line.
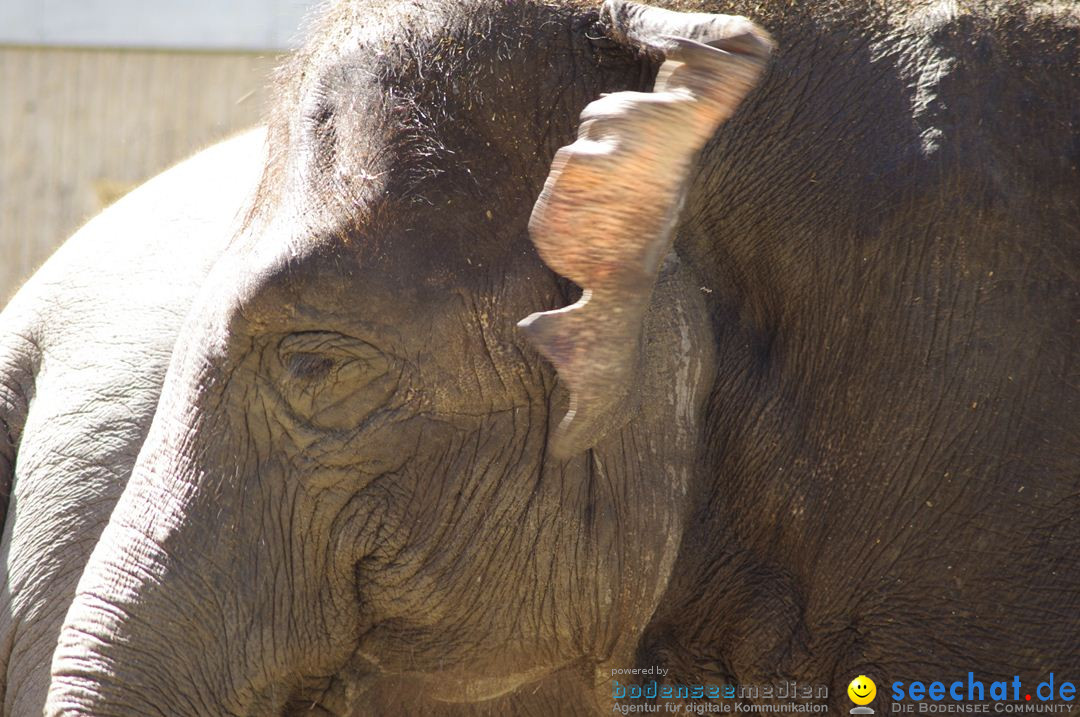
[(78, 128)]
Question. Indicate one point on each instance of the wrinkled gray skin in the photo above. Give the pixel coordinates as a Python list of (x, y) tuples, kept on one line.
[(83, 350), (854, 445)]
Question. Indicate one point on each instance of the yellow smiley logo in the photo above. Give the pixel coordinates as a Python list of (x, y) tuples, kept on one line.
[(862, 690)]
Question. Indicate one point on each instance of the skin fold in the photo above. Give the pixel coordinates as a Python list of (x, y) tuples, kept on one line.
[(849, 446)]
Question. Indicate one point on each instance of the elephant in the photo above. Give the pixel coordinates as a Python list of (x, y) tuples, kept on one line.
[(533, 344)]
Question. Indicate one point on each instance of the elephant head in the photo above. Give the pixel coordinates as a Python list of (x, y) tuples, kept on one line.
[(360, 470)]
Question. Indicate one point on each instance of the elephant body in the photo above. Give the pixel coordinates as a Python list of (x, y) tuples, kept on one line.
[(841, 436)]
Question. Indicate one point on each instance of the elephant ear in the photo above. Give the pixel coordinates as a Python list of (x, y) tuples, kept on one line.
[(607, 213)]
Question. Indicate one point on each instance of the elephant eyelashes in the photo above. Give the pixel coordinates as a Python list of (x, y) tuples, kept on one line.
[(309, 366), (332, 381)]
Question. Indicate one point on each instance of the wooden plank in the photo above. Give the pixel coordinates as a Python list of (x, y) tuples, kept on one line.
[(80, 127), (192, 24)]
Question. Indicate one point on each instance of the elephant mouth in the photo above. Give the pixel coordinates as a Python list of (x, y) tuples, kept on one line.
[(322, 697), (335, 697), (298, 707), (469, 689)]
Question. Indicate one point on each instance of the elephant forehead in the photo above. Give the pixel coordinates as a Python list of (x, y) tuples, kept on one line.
[(432, 113)]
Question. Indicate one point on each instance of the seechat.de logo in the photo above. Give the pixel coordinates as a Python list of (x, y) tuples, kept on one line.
[(975, 696)]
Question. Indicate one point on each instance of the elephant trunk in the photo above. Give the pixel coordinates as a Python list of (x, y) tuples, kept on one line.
[(156, 626), (183, 608), (131, 647)]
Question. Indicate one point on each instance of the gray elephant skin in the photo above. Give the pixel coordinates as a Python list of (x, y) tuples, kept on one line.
[(274, 442)]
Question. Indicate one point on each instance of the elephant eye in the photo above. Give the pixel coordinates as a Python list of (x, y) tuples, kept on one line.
[(333, 381)]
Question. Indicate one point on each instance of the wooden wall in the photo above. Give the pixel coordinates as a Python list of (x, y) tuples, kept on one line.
[(78, 128)]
